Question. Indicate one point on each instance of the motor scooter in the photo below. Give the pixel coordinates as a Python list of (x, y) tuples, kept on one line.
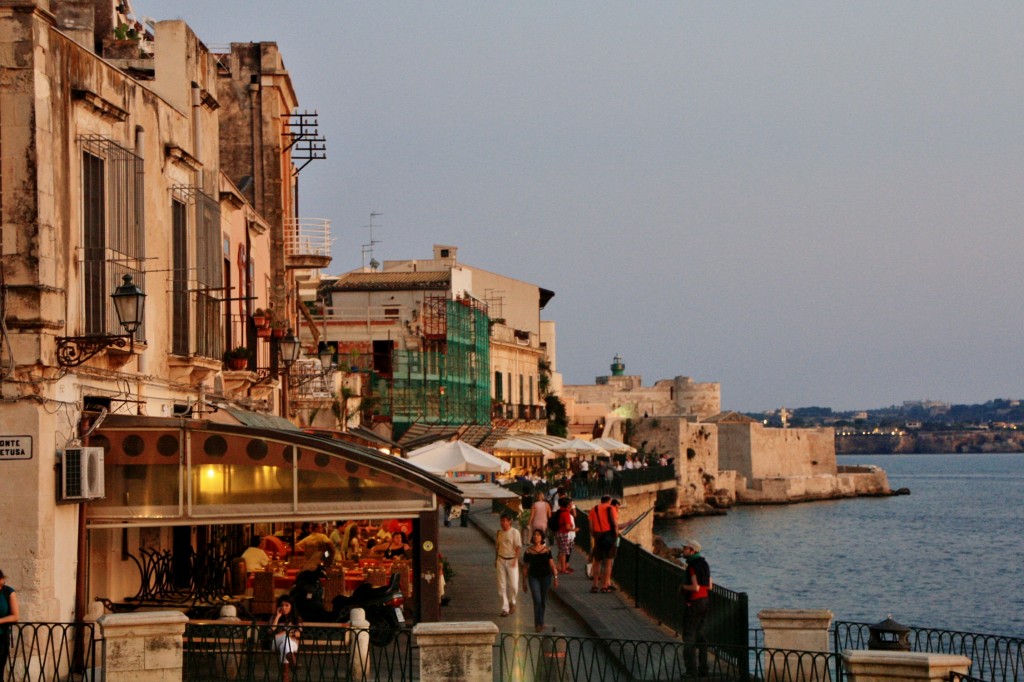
[(382, 605)]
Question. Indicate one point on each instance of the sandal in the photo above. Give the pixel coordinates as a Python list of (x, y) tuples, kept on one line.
[(606, 590), (595, 589)]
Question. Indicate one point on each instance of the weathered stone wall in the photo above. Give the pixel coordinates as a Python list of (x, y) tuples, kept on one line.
[(694, 448), (625, 396), (701, 399)]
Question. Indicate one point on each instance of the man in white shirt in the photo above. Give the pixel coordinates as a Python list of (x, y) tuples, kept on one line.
[(508, 544), (255, 558)]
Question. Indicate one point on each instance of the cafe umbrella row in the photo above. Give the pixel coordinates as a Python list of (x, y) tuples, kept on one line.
[(184, 496)]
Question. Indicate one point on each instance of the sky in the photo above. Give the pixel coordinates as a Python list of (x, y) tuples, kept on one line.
[(811, 203)]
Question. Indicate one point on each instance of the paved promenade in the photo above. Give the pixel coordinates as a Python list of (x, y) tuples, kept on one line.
[(572, 609)]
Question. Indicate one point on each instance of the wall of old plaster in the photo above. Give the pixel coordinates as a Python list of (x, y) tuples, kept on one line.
[(42, 118)]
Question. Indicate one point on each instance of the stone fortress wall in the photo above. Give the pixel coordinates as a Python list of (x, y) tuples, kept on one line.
[(721, 458)]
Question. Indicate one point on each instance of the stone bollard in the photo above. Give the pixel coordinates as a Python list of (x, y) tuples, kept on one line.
[(897, 666), (359, 651), (456, 652), (143, 646), (796, 630), (229, 614)]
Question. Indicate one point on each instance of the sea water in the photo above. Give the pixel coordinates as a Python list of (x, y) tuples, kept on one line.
[(950, 555)]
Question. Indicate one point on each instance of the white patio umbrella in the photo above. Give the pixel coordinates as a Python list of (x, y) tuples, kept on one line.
[(460, 457), (614, 446), (522, 446), (578, 446)]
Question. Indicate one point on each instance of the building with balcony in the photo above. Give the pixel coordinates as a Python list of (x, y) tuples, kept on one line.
[(442, 343), (138, 242)]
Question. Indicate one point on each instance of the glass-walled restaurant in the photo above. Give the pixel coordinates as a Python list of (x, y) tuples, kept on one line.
[(184, 498)]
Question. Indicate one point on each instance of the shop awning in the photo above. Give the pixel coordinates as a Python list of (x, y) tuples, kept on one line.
[(190, 471)]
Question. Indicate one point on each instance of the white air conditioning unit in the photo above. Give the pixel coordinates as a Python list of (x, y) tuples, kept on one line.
[(82, 474)]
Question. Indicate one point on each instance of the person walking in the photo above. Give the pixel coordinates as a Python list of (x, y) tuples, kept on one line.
[(566, 533), (540, 513), (604, 525), (697, 588), (508, 544), (539, 573), (9, 614)]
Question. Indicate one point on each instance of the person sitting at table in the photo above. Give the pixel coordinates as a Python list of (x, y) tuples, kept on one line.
[(394, 548), (275, 547), (255, 558)]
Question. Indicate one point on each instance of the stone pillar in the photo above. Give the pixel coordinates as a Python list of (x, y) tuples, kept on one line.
[(891, 666), (456, 652), (799, 629), (143, 646), (796, 630), (359, 644)]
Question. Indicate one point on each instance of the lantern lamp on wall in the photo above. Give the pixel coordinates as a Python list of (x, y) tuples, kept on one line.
[(129, 304)]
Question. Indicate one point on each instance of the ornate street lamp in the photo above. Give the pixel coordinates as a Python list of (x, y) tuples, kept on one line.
[(129, 304), (326, 355), (289, 346)]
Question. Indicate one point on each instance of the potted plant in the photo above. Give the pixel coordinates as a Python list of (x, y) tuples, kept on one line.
[(277, 329), (237, 358), (260, 319)]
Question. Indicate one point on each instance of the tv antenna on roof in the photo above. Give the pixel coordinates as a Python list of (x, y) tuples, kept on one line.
[(368, 248)]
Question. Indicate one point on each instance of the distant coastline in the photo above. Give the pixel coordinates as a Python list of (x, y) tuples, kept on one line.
[(931, 442)]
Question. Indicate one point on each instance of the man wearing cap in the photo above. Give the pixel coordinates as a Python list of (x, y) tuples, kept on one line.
[(697, 589)]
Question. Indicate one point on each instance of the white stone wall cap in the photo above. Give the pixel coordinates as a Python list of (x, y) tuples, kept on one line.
[(142, 619), (905, 658), (795, 618), (440, 634)]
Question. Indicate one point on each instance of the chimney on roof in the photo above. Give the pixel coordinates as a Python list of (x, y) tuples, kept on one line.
[(446, 253)]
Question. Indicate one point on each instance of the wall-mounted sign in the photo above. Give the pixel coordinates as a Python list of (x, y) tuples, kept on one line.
[(15, 447)]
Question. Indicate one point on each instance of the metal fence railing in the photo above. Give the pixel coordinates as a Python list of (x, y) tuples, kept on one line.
[(542, 658), (215, 650), (53, 652), (653, 584), (993, 657)]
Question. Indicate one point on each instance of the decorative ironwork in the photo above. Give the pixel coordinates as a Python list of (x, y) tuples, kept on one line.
[(993, 657), (550, 657), (208, 575), (216, 650), (47, 651), (74, 350)]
